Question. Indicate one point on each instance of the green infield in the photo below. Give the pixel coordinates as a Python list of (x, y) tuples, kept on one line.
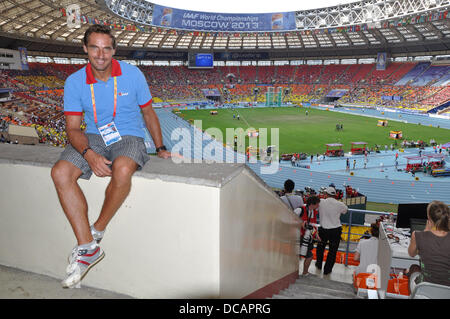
[(308, 130)]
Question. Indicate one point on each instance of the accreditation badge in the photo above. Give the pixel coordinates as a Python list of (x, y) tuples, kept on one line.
[(109, 133)]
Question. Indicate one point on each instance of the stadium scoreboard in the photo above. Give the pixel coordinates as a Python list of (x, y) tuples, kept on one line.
[(200, 60)]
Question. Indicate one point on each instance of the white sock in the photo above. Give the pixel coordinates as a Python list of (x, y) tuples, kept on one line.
[(97, 232), (88, 246)]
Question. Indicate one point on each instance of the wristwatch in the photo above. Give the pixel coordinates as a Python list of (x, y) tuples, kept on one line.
[(161, 148), (85, 150)]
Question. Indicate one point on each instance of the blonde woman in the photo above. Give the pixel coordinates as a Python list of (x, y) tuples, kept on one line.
[(433, 245)]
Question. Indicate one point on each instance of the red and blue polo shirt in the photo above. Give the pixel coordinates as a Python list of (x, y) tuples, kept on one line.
[(133, 94)]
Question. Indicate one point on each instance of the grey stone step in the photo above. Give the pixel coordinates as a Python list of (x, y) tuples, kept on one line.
[(301, 289), (325, 283), (314, 287), (280, 297), (307, 295)]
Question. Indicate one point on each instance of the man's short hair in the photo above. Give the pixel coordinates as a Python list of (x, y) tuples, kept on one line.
[(97, 28), (374, 230), (312, 200), (289, 185)]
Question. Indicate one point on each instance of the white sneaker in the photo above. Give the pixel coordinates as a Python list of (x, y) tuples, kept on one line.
[(98, 236), (84, 261)]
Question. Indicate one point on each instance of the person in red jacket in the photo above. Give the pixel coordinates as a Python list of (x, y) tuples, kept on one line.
[(308, 214)]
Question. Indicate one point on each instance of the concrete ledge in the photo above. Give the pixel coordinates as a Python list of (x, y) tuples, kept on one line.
[(157, 168), (185, 231)]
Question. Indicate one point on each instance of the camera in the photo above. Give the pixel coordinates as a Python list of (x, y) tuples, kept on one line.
[(306, 240)]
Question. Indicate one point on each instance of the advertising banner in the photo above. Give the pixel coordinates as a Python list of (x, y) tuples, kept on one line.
[(211, 92), (381, 61), (158, 55), (23, 58), (240, 56), (337, 93), (232, 22)]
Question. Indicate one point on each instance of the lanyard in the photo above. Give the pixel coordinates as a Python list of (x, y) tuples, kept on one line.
[(93, 101)]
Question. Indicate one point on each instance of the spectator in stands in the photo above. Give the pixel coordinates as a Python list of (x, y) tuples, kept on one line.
[(308, 214), (292, 200), (433, 245), (330, 230), (367, 250), (91, 151)]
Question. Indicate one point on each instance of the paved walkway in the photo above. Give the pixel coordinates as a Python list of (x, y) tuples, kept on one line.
[(18, 284)]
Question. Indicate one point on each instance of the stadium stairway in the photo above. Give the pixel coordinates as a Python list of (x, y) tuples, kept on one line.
[(171, 126), (314, 287)]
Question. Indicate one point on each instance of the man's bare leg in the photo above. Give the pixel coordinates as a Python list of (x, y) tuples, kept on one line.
[(65, 176), (117, 191), (306, 264)]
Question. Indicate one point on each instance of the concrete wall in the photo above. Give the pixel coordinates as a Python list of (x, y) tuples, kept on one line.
[(185, 231), (258, 237)]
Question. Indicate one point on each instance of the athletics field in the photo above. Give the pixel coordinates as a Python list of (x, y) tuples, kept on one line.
[(308, 129)]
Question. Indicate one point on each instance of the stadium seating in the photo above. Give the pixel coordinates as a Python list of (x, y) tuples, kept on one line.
[(38, 92), (440, 97), (431, 75), (285, 73), (382, 76), (267, 74), (415, 72), (348, 74), (362, 72), (248, 74), (332, 73), (402, 70)]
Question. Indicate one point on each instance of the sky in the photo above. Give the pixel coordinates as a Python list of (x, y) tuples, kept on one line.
[(248, 6)]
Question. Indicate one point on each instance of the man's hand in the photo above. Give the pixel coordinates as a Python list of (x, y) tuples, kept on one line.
[(318, 237), (167, 154), (164, 154), (98, 163)]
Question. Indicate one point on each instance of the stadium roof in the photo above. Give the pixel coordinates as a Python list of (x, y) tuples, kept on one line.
[(248, 6), (398, 27)]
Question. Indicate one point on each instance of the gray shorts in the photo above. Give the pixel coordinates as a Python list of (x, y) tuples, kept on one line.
[(130, 146)]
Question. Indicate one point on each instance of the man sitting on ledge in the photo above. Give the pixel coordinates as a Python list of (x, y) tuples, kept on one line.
[(112, 95)]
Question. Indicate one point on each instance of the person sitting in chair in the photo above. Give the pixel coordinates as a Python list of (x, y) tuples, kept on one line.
[(433, 245)]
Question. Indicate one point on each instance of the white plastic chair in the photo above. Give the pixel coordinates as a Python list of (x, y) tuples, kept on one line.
[(428, 290)]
